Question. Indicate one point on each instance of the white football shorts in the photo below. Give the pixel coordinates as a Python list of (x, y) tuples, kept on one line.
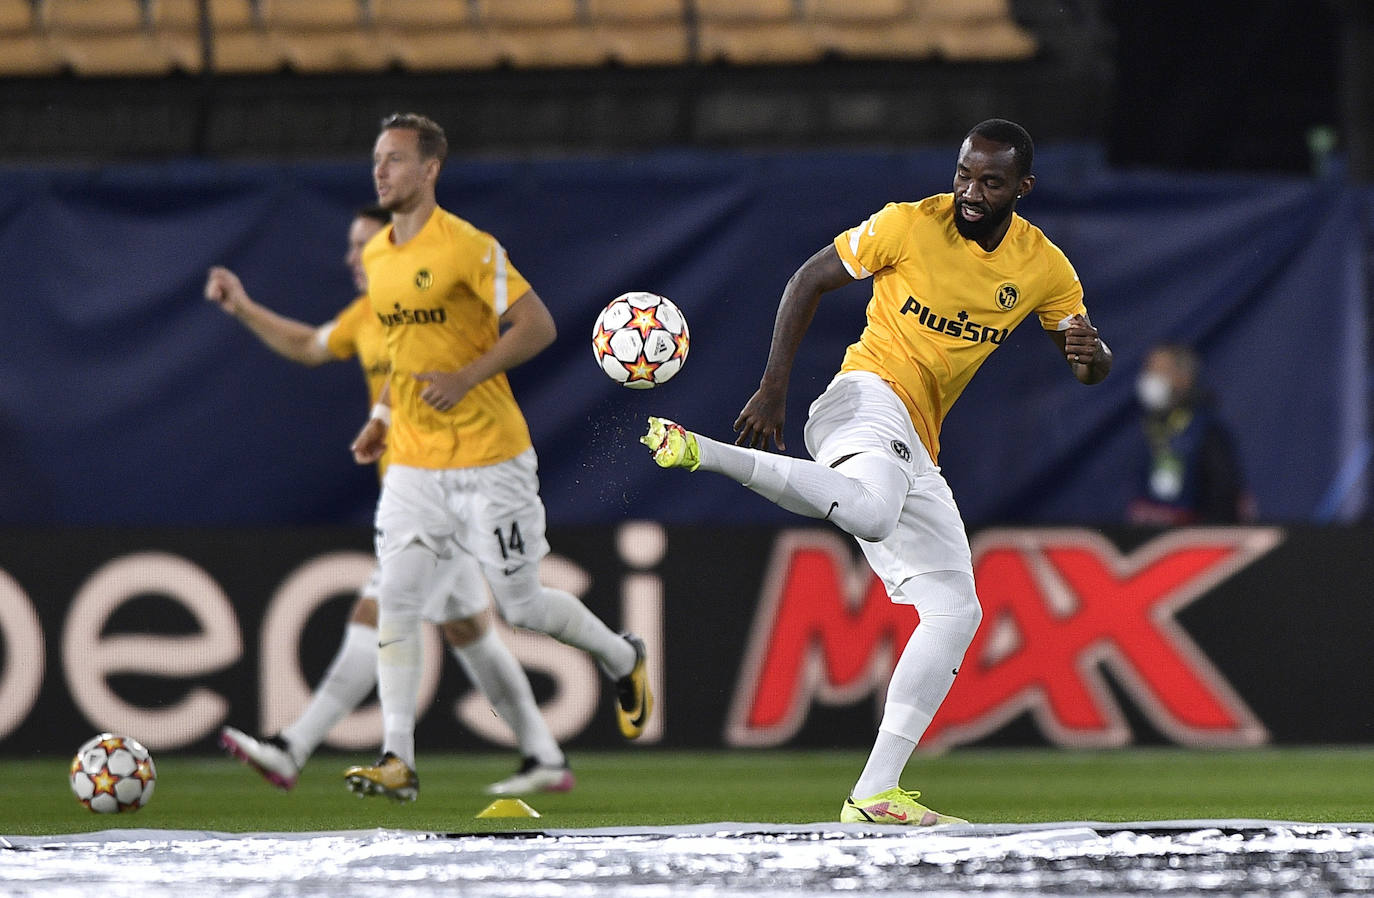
[(459, 589), (491, 515), (859, 412)]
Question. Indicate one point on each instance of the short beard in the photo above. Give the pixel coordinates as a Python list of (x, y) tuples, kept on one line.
[(977, 230), (396, 202)]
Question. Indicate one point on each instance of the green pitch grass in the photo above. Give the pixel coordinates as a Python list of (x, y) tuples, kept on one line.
[(639, 787)]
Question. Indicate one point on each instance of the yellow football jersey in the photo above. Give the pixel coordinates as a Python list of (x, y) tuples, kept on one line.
[(439, 297), (356, 332), (941, 303)]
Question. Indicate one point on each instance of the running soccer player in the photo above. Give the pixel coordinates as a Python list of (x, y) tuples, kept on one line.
[(463, 477), (459, 604), (952, 275)]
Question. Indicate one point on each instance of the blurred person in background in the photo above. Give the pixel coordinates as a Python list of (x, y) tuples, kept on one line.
[(459, 604), (1189, 471)]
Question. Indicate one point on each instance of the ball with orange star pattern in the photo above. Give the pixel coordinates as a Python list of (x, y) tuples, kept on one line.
[(640, 340), (113, 773)]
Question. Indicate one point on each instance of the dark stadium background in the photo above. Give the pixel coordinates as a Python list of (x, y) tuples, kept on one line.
[(1209, 168)]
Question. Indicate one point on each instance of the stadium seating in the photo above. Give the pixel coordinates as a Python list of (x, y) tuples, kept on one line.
[(434, 35), (541, 33), (441, 15), (870, 29), (156, 37), (23, 49), (976, 30), (240, 44), (324, 35), (107, 38), (753, 32), (641, 32), (16, 16)]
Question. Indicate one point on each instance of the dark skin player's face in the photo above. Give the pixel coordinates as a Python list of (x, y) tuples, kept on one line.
[(987, 184)]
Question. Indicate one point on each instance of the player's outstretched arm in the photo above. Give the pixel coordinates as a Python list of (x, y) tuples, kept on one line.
[(287, 337), (1088, 355), (527, 329), (763, 415)]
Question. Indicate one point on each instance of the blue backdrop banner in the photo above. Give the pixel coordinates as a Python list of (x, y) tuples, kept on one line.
[(127, 399)]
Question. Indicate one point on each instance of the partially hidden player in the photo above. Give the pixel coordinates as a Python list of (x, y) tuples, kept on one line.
[(458, 604), (463, 477), (952, 275)]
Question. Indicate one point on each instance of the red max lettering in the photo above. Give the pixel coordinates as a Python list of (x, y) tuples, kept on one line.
[(1060, 606), (825, 631)]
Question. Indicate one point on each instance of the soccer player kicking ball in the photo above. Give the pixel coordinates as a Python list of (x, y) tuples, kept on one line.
[(463, 477), (459, 603), (952, 275)]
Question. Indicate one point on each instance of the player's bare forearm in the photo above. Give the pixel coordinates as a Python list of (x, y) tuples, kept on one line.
[(287, 337), (527, 330), (763, 415), (818, 275)]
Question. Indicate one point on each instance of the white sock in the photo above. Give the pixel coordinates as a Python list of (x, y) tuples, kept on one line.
[(405, 578), (347, 681), (494, 670), (863, 495), (735, 462), (885, 763), (948, 606), (524, 602)]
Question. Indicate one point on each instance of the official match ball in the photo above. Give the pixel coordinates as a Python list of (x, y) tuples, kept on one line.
[(640, 340), (113, 773)]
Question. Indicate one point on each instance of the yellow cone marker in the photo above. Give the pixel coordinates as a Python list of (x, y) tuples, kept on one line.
[(508, 807)]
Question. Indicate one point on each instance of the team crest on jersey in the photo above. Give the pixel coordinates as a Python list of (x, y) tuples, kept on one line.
[(902, 449), (1007, 295), (423, 279)]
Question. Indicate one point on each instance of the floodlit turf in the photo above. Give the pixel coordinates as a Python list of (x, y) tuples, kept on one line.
[(644, 786)]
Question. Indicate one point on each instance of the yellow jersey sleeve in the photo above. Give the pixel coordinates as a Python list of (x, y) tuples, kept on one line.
[(356, 332), (339, 336), (877, 243), (1066, 293), (439, 299), (942, 304)]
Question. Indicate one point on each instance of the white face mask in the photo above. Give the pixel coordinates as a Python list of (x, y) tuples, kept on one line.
[(1153, 391)]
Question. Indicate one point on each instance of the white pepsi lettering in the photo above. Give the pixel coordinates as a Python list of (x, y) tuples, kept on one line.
[(21, 634), (89, 658), (577, 684), (283, 690), (642, 545)]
